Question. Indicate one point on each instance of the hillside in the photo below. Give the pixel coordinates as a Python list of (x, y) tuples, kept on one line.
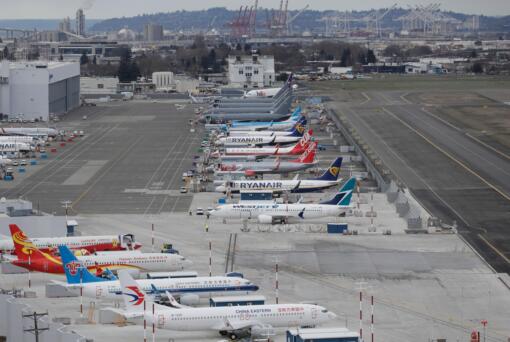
[(308, 20)]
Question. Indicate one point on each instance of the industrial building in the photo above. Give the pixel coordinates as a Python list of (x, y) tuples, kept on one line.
[(252, 71), (164, 80), (153, 32), (33, 90), (80, 22)]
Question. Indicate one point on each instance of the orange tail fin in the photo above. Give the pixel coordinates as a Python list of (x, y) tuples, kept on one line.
[(23, 246)]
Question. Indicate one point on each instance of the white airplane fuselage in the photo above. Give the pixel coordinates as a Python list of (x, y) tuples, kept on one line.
[(264, 212), (239, 317), (200, 286), (292, 185)]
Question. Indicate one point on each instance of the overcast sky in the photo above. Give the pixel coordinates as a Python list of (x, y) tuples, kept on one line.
[(14, 9)]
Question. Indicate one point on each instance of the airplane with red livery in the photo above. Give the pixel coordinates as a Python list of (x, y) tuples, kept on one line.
[(300, 147), (83, 244), (305, 161), (32, 258)]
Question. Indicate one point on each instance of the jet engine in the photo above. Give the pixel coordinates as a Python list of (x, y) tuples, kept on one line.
[(189, 299), (265, 219)]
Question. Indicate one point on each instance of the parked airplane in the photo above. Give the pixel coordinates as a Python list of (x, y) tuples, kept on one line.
[(20, 138), (31, 131), (298, 148), (328, 179), (89, 243), (305, 161), (11, 146), (270, 212), (262, 125), (31, 258), (269, 92), (258, 139), (299, 128), (229, 321), (188, 290)]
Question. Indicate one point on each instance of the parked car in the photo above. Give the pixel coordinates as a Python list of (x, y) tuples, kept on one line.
[(199, 211)]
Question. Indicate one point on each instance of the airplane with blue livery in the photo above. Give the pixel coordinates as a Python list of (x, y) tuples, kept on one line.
[(188, 290), (264, 125), (327, 180)]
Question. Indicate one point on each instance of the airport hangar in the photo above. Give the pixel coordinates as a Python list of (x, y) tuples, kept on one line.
[(34, 90)]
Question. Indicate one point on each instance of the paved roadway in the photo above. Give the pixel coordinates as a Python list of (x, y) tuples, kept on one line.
[(130, 161), (455, 176)]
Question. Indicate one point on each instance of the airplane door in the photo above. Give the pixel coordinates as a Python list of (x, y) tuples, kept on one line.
[(99, 291), (314, 313)]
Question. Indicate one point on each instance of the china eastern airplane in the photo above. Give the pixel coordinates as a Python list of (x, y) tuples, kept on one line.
[(89, 243), (328, 179), (231, 321), (188, 290), (305, 161), (31, 258), (298, 148), (270, 212)]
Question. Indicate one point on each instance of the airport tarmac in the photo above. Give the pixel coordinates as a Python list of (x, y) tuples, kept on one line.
[(130, 161), (425, 286), (453, 174)]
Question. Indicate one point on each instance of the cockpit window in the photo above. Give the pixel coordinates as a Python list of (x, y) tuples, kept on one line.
[(324, 311)]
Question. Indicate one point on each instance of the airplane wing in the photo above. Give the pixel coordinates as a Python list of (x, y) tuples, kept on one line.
[(296, 177), (236, 324), (297, 185), (66, 285)]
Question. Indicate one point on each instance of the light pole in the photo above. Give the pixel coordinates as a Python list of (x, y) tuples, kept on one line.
[(484, 323)]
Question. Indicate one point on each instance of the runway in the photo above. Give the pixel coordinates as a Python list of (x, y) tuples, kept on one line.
[(453, 175)]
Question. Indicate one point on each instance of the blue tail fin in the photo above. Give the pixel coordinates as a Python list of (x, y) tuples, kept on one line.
[(296, 114), (331, 174), (74, 268), (299, 128), (343, 197)]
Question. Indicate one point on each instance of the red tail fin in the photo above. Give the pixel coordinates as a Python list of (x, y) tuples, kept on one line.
[(303, 143), (309, 155), (23, 246)]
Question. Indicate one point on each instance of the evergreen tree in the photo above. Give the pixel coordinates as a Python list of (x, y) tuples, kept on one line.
[(84, 59), (371, 59)]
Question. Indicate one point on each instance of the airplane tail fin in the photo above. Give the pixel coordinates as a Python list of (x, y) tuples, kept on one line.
[(299, 128), (74, 269), (23, 246), (331, 174), (309, 155), (343, 197), (132, 294), (296, 114)]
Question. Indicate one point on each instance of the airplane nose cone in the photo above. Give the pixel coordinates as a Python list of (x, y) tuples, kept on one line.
[(187, 263), (220, 188)]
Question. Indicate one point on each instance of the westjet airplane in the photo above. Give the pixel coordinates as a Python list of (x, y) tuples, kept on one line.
[(270, 212), (231, 321), (328, 179), (188, 290)]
